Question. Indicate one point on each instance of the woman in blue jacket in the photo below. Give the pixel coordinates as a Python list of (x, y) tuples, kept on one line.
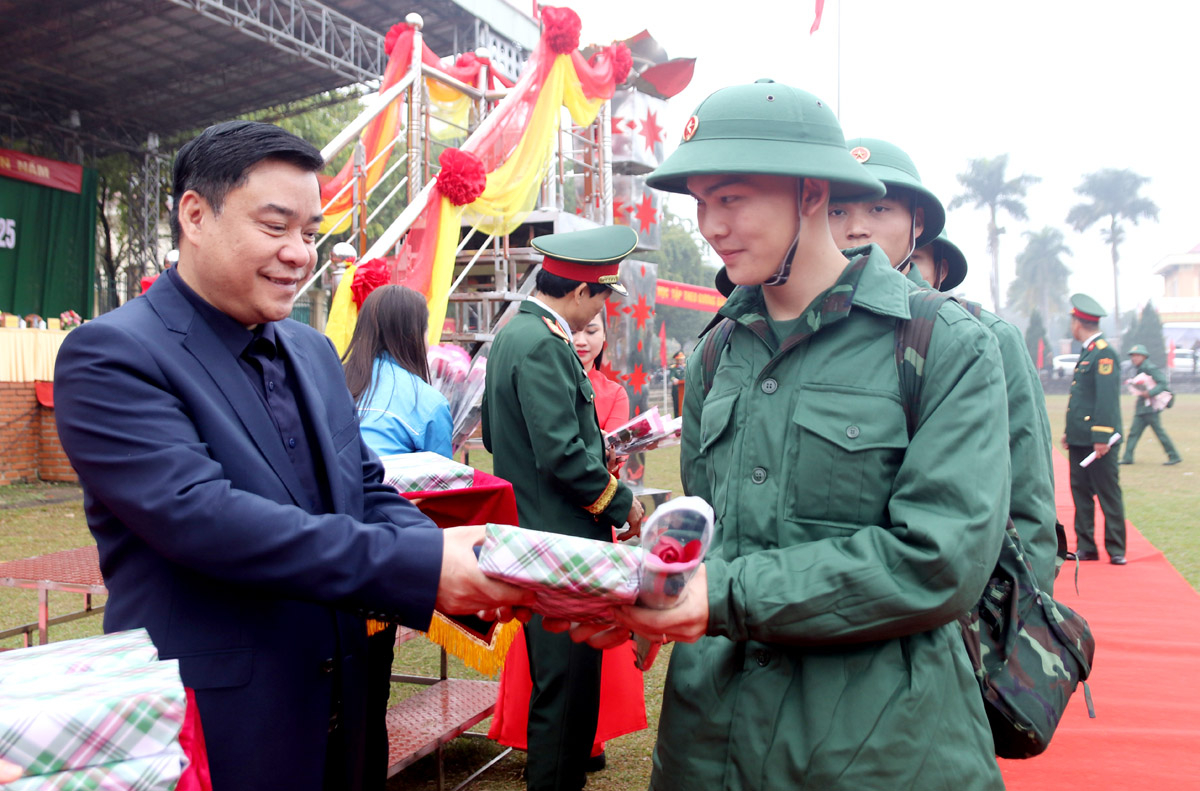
[(388, 375)]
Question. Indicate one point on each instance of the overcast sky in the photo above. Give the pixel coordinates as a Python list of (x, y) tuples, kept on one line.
[(1064, 87)]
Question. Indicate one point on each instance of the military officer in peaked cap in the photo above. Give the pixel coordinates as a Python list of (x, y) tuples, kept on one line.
[(540, 425), (1093, 420)]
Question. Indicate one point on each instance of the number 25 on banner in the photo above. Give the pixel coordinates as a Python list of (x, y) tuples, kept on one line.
[(8, 234)]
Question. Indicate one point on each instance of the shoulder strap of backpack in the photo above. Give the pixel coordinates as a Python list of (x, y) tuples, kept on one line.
[(715, 342), (912, 346)]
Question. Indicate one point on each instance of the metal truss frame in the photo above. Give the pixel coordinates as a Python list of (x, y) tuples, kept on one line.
[(305, 28)]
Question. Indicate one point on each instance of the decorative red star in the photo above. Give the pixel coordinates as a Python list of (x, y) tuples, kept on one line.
[(641, 312), (616, 124), (646, 214), (608, 371), (639, 345), (619, 208), (612, 310), (637, 378), (651, 130)]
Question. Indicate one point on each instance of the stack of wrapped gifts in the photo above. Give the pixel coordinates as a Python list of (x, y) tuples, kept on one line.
[(98, 713)]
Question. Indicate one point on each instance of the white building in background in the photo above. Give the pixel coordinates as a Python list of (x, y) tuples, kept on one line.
[(1179, 306)]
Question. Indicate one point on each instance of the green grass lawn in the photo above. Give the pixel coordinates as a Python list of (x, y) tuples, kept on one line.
[(1164, 502)]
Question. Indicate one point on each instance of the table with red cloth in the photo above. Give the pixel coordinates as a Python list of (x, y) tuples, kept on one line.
[(487, 499)]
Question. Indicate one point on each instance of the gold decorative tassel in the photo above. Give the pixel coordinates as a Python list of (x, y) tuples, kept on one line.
[(487, 658)]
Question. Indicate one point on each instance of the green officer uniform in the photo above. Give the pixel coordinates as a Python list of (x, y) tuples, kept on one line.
[(1144, 413), (540, 424), (1093, 417), (844, 550), (1029, 441)]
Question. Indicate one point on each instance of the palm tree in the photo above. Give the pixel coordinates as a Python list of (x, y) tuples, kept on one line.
[(1113, 194), (985, 185), (1041, 278)]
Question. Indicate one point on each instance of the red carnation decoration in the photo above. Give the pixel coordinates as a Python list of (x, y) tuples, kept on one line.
[(395, 32), (622, 60), (462, 177), (561, 28), (618, 56), (368, 276)]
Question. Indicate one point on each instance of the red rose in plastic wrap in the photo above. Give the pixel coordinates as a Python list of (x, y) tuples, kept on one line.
[(670, 550), (368, 276), (561, 30), (462, 177)]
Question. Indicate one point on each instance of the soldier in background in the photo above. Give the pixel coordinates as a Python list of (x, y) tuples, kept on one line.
[(1093, 420), (1145, 413)]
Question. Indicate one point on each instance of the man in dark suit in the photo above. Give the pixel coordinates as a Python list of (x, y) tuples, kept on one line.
[(1093, 420), (540, 424), (239, 517)]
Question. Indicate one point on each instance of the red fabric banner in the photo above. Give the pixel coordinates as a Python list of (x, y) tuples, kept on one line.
[(684, 295), (37, 170)]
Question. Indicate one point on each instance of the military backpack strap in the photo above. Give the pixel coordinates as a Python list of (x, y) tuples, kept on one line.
[(710, 356), (912, 346), (1014, 626)]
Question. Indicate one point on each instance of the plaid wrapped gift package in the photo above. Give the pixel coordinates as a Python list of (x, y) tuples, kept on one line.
[(106, 652), (74, 727), (425, 472), (579, 579)]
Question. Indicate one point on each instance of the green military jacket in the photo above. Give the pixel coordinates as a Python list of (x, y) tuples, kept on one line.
[(539, 423), (1030, 447), (1094, 409), (1144, 406), (844, 552)]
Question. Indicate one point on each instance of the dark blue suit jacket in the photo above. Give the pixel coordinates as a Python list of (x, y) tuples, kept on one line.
[(193, 503)]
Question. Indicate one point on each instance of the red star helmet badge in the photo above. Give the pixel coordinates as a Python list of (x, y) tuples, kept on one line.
[(689, 128), (861, 153)]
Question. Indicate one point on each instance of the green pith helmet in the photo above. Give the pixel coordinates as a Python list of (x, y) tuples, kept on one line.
[(1087, 309), (889, 164), (765, 128), (944, 249), (1139, 349)]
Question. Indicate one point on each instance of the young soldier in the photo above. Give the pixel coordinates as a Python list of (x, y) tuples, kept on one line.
[(1144, 413), (826, 648), (941, 264), (540, 425), (1093, 418), (910, 215)]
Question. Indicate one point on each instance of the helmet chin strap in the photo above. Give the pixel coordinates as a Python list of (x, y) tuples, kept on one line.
[(906, 263), (785, 266)]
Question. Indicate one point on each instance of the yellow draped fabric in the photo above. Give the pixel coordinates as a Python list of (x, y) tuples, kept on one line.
[(28, 355), (343, 313)]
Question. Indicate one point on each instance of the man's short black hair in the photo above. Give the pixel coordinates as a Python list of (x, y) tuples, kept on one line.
[(219, 159), (558, 286)]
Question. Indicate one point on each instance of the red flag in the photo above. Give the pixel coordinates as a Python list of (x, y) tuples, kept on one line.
[(817, 22), (662, 343), (1170, 355), (1041, 352)]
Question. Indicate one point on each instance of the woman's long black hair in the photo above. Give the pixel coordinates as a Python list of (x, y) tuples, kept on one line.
[(393, 319)]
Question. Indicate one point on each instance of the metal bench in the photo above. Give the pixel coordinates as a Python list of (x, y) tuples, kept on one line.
[(422, 724)]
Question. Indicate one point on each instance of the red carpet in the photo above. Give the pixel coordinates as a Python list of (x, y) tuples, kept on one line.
[(1145, 682)]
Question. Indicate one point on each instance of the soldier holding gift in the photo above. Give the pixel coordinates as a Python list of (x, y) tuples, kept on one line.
[(1146, 413)]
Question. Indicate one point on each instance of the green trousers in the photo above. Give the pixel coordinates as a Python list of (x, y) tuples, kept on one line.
[(1099, 479), (1153, 420), (563, 708)]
